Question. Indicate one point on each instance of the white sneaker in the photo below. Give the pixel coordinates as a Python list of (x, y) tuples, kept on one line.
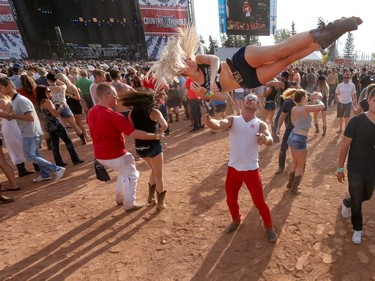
[(40, 178), (60, 173), (345, 211), (357, 236)]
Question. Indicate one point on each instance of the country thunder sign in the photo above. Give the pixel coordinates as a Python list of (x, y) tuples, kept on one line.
[(160, 18), (11, 45)]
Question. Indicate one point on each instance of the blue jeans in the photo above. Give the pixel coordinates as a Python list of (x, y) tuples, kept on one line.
[(196, 112), (360, 190), (32, 154)]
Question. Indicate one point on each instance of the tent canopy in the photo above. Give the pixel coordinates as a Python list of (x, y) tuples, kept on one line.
[(315, 56)]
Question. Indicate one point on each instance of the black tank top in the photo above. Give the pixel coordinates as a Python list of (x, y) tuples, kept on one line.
[(141, 120), (206, 69)]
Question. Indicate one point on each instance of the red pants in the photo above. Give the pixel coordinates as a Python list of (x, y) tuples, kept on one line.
[(254, 185)]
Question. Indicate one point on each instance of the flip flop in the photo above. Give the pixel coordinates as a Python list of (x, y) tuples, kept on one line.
[(11, 189)]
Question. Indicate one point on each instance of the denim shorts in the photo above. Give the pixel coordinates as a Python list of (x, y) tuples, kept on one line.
[(270, 105), (297, 142), (151, 150)]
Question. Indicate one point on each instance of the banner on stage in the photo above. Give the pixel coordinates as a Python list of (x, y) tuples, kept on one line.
[(160, 19), (11, 46)]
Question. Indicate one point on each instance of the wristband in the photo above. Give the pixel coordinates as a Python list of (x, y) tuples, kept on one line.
[(157, 136), (10, 116), (340, 170), (209, 93)]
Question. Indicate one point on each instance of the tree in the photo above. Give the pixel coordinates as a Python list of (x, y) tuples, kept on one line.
[(373, 57), (332, 51), (349, 47), (253, 40), (293, 32), (212, 45), (232, 40), (281, 35)]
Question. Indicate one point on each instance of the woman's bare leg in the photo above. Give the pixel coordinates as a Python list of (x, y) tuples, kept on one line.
[(259, 55), (267, 72), (72, 122), (157, 169), (8, 171), (78, 119), (324, 118), (300, 159)]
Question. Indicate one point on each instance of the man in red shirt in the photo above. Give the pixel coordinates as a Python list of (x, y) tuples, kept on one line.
[(107, 129), (194, 104)]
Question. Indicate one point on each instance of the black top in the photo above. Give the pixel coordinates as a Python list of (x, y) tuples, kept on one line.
[(287, 108), (361, 159), (141, 120), (206, 69)]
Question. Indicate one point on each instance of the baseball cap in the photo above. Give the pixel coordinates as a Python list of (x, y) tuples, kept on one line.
[(16, 65)]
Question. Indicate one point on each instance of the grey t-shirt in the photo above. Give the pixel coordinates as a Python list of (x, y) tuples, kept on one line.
[(22, 105)]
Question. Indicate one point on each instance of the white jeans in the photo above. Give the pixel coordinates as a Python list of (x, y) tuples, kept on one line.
[(127, 177)]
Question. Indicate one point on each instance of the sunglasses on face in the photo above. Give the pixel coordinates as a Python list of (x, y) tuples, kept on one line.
[(253, 98)]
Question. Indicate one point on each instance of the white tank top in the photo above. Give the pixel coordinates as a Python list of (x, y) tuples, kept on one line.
[(244, 149)]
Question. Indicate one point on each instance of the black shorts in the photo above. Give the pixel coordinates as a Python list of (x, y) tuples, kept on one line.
[(344, 109), (149, 150), (248, 73)]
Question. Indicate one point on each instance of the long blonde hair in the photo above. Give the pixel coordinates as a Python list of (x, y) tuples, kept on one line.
[(294, 94), (172, 60), (322, 86), (63, 78)]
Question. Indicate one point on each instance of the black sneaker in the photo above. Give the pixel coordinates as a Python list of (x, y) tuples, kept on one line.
[(271, 235)]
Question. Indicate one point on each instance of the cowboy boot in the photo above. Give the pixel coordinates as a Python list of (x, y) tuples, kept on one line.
[(151, 194), (295, 189), (82, 137), (316, 129), (177, 117), (161, 197), (291, 179), (22, 170), (326, 35), (282, 157), (324, 131)]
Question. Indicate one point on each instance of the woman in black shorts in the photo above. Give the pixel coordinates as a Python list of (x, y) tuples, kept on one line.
[(144, 116), (250, 67)]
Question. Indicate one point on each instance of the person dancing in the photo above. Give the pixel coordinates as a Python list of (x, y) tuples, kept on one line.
[(144, 116), (297, 141), (322, 87), (246, 133), (250, 67)]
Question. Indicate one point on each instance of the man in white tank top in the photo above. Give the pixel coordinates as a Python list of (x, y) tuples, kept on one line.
[(246, 133)]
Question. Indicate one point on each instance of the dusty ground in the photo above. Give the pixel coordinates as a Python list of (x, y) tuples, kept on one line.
[(73, 230)]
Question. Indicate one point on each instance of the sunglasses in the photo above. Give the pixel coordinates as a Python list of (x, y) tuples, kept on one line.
[(250, 97)]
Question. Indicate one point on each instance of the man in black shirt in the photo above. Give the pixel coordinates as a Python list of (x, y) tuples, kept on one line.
[(359, 144)]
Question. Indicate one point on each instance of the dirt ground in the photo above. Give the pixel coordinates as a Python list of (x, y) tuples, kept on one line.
[(73, 229)]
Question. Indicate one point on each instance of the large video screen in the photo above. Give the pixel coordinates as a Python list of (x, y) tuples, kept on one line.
[(248, 17)]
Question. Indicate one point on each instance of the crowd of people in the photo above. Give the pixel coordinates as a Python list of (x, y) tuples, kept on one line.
[(241, 95)]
